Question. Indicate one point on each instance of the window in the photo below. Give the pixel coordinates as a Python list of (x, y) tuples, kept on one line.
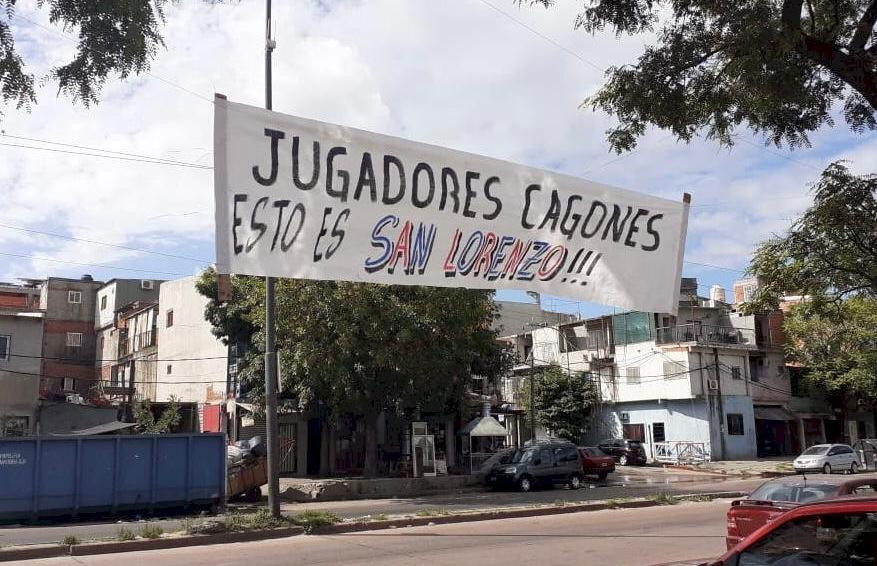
[(736, 373), (632, 432), (567, 455), (5, 347), (632, 374), (546, 457), (74, 339), (658, 432), (867, 489), (170, 318), (103, 302), (822, 539), (14, 426), (69, 384), (170, 368), (74, 297), (673, 369), (735, 424)]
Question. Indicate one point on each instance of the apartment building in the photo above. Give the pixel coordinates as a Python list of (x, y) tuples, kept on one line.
[(69, 338), (21, 339), (709, 381)]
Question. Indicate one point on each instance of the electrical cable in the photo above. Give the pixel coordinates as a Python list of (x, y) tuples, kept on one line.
[(107, 156)]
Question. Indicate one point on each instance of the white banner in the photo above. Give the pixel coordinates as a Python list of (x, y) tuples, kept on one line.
[(309, 200)]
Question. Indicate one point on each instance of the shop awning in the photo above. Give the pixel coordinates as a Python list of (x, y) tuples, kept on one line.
[(773, 414), (484, 426)]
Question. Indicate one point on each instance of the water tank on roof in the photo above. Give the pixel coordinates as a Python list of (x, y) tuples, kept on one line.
[(717, 294), (87, 277)]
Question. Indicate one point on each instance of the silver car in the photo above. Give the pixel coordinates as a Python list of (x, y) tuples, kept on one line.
[(828, 458)]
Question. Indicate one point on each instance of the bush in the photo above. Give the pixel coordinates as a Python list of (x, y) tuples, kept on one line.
[(126, 534), (664, 499), (69, 540), (151, 531), (311, 519)]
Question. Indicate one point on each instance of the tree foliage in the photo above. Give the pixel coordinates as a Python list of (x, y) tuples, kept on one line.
[(775, 66), (354, 348), (564, 402), (830, 253), (167, 422), (838, 347), (114, 37)]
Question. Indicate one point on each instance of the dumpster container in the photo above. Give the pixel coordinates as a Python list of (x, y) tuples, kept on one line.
[(69, 475)]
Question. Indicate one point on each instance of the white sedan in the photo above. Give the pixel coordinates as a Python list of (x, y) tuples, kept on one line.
[(828, 458)]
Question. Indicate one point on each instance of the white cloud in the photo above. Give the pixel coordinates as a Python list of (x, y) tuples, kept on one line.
[(450, 73)]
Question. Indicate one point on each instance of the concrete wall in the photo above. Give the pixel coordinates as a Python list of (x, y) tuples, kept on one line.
[(194, 380), (121, 292), (683, 420), (19, 392)]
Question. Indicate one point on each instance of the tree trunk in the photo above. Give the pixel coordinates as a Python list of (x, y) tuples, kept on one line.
[(370, 466)]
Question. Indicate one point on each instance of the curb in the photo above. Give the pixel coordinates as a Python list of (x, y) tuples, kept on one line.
[(112, 547), (342, 528)]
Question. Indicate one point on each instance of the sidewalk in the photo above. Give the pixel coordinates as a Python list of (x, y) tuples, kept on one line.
[(764, 467)]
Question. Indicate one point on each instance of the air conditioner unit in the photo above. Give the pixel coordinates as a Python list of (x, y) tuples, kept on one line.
[(624, 417), (147, 284), (712, 384)]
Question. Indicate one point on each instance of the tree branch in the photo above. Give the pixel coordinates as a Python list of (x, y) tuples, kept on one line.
[(791, 15), (864, 28)]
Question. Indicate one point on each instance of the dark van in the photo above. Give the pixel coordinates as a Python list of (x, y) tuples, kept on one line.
[(541, 464)]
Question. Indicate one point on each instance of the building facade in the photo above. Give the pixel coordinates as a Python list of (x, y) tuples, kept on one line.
[(21, 339), (69, 338), (708, 381)]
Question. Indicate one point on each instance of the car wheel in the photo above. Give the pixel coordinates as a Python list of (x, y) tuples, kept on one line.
[(575, 482), (525, 484), (622, 460), (854, 468), (826, 469)]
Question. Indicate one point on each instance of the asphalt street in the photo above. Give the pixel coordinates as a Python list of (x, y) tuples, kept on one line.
[(623, 537), (637, 482)]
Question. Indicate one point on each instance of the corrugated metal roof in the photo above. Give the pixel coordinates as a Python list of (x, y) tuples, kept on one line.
[(484, 426), (99, 429)]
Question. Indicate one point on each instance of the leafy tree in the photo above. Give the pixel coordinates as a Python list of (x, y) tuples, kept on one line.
[(838, 346), (168, 421), (361, 349), (776, 66), (564, 402), (830, 253), (114, 37)]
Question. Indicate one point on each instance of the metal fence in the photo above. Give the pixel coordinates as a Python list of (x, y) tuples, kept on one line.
[(682, 452), (706, 334)]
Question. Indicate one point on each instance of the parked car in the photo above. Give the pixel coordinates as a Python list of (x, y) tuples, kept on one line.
[(777, 496), (866, 450), (624, 451), (831, 532), (541, 464), (828, 458), (596, 462)]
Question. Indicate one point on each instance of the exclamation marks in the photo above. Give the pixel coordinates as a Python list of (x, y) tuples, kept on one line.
[(576, 266)]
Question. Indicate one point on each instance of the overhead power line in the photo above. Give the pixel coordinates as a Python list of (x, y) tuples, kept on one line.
[(109, 151), (101, 265), (108, 156), (99, 243), (538, 33)]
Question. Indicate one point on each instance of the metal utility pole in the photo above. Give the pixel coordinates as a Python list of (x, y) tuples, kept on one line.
[(270, 354), (532, 393), (720, 403)]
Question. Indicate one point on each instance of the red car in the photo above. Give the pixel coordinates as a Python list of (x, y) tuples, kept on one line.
[(596, 462), (831, 532), (775, 497)]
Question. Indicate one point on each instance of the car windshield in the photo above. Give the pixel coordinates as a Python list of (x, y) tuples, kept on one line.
[(797, 493), (815, 451), (523, 456)]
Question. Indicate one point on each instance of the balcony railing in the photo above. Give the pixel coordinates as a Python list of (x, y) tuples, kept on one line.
[(706, 334)]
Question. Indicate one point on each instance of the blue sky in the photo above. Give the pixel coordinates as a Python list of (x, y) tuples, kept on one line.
[(453, 73)]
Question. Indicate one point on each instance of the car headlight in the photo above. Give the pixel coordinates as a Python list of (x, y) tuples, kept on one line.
[(509, 470)]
